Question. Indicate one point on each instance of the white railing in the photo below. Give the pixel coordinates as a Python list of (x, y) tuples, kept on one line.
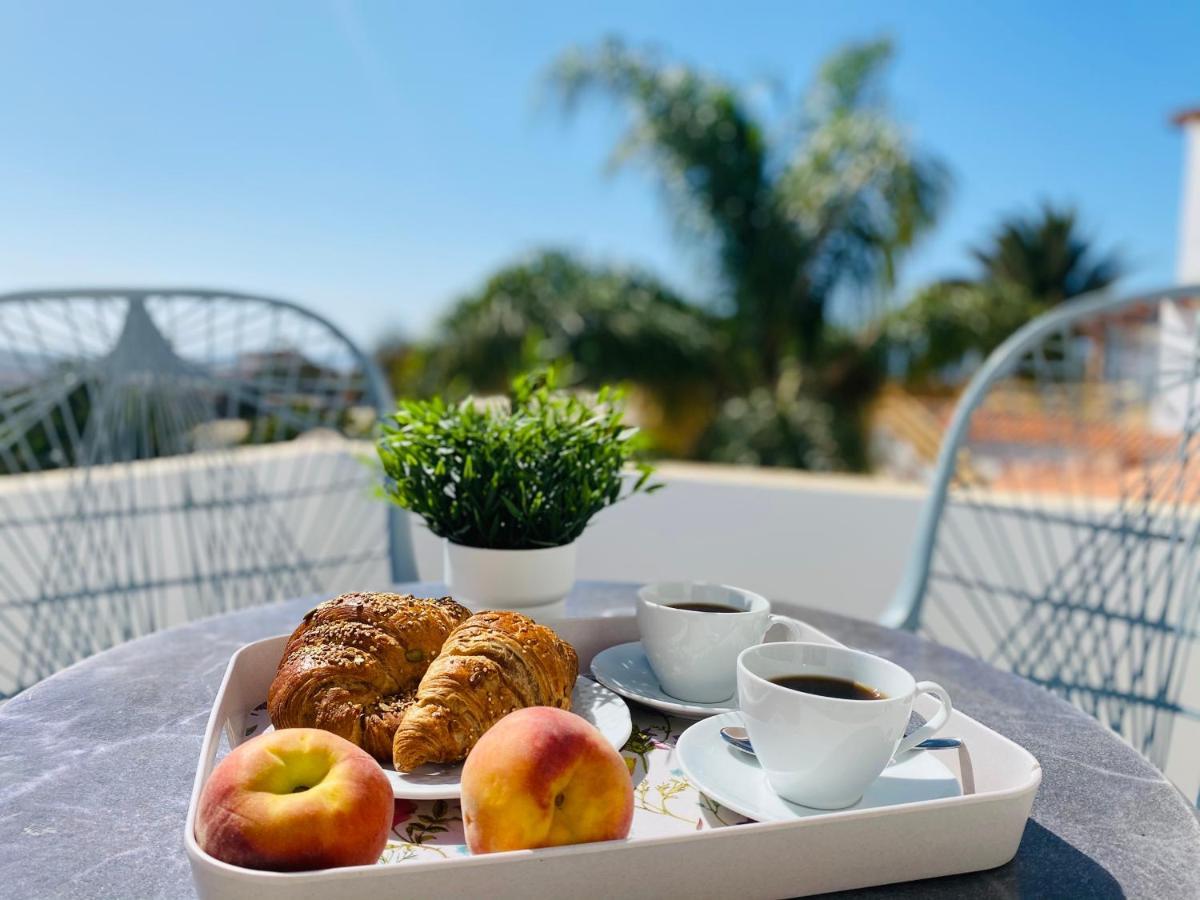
[(831, 542)]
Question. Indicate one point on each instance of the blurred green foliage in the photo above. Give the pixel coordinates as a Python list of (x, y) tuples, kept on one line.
[(794, 213), (791, 214), (1030, 264), (612, 324), (772, 425), (1046, 255), (948, 325)]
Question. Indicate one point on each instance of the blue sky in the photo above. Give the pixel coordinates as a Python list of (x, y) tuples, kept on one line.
[(376, 159)]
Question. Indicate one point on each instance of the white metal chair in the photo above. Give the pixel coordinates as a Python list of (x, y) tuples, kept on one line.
[(171, 454)]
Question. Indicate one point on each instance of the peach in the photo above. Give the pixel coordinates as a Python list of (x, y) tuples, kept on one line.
[(300, 798), (541, 777)]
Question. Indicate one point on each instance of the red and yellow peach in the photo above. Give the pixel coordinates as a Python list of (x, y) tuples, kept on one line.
[(541, 777), (295, 799)]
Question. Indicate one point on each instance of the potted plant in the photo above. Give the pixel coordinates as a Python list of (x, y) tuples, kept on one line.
[(510, 485)]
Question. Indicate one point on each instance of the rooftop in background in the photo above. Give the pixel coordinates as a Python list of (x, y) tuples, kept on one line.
[(1191, 114)]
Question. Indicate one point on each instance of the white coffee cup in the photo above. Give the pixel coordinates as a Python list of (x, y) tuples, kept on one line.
[(694, 654), (824, 752)]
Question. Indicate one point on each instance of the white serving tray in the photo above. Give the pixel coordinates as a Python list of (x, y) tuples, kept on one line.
[(856, 848)]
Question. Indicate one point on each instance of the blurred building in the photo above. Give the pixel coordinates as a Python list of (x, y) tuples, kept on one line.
[(1122, 399), (1179, 320)]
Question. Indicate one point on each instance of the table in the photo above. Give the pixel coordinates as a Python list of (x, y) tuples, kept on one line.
[(97, 762)]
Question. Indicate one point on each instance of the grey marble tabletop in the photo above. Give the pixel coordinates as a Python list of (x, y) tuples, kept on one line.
[(97, 762)]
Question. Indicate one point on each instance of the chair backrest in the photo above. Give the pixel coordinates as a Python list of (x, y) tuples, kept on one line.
[(1060, 538), (170, 454)]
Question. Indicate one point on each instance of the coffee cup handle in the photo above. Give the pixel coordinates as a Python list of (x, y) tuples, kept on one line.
[(795, 628), (934, 725)]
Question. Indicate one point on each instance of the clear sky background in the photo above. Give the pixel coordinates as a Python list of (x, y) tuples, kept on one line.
[(376, 159)]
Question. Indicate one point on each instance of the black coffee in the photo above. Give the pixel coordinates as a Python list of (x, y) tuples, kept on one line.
[(704, 607), (824, 686)]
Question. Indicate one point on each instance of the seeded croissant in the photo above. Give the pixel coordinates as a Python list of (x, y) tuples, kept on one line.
[(353, 664), (492, 664)]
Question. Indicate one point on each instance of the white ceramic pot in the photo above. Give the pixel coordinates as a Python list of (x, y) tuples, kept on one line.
[(507, 579)]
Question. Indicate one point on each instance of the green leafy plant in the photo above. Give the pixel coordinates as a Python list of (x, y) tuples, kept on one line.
[(517, 475)]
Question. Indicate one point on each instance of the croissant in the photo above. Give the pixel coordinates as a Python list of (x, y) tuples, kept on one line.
[(354, 662), (492, 664)]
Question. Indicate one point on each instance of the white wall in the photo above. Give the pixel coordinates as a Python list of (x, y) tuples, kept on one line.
[(837, 543), (1187, 263)]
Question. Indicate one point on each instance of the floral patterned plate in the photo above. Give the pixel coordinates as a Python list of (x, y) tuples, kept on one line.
[(664, 802)]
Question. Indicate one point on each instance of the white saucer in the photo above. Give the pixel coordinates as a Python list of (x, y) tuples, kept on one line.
[(734, 780), (592, 701), (625, 669)]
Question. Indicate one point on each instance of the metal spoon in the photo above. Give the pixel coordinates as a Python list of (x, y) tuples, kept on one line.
[(737, 737)]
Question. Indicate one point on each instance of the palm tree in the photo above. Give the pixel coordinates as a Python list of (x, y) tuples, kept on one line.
[(1046, 256), (1030, 263), (950, 323), (611, 324), (602, 322), (793, 221)]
